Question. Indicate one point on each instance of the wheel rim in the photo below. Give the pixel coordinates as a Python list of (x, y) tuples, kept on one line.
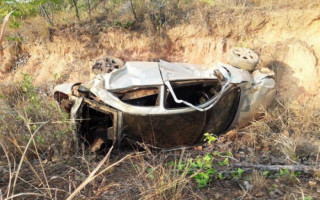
[(112, 64), (245, 54)]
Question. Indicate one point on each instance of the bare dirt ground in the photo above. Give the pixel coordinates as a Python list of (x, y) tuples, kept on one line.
[(288, 135)]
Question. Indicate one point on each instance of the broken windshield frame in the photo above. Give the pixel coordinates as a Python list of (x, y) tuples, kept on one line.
[(206, 105), (195, 92), (139, 96)]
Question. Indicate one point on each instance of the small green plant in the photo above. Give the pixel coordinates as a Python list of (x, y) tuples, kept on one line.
[(237, 174), (284, 172), (30, 95), (125, 25), (29, 89), (217, 153), (234, 174), (60, 78), (203, 178), (40, 139), (150, 173), (56, 76), (15, 39), (229, 153), (265, 173), (225, 162), (182, 165), (202, 169), (240, 172), (60, 134), (20, 118), (220, 176), (33, 127), (209, 138), (273, 187), (288, 175)]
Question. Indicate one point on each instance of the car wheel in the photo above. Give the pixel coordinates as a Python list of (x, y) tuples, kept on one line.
[(242, 58), (107, 65)]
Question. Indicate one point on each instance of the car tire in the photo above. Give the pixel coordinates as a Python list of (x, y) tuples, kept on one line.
[(107, 65), (242, 58)]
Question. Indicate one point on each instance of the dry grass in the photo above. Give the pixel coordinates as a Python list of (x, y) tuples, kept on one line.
[(259, 181), (30, 151), (268, 4), (159, 179), (22, 140), (290, 129), (20, 115), (30, 145), (37, 158)]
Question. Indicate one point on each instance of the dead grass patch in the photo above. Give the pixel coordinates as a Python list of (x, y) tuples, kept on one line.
[(157, 178), (288, 128)]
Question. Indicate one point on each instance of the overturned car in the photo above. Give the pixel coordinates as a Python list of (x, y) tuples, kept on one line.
[(164, 104)]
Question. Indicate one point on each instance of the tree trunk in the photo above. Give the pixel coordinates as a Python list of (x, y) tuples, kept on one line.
[(133, 11), (76, 8), (46, 15), (89, 9)]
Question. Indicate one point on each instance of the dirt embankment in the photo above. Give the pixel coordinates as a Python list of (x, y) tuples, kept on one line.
[(287, 41)]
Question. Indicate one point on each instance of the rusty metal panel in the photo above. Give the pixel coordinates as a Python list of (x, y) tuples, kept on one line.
[(135, 94), (111, 134), (106, 110), (222, 114), (165, 130)]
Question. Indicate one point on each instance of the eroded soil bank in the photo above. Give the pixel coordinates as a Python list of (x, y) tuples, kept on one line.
[(286, 41)]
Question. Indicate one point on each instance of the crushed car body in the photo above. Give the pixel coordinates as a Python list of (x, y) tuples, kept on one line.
[(164, 104)]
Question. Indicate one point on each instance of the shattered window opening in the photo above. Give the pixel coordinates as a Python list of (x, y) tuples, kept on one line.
[(139, 96), (94, 130), (196, 92)]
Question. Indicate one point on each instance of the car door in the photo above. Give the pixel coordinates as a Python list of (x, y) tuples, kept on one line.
[(177, 124), (218, 118)]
